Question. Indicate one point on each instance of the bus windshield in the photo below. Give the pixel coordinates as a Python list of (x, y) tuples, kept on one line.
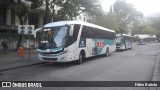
[(118, 40), (53, 37)]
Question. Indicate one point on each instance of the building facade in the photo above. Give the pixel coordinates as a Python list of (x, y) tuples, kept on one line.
[(9, 21)]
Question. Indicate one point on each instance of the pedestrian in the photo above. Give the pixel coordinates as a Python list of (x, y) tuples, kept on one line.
[(4, 46), (2, 43)]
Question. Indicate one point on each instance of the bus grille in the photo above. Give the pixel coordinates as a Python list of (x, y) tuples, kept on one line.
[(49, 58)]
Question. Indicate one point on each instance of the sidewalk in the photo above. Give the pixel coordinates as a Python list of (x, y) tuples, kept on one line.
[(12, 61), (156, 75)]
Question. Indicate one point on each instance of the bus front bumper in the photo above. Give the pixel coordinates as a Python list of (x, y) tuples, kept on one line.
[(53, 58)]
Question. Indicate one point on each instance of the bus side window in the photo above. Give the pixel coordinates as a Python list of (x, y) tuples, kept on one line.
[(76, 31), (85, 32)]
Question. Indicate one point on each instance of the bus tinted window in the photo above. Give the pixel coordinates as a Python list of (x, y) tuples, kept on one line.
[(90, 32), (76, 31)]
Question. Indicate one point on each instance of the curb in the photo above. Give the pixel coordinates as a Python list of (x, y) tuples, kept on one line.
[(7, 69), (156, 71)]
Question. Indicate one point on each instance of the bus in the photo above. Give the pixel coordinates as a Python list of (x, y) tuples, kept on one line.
[(124, 42), (66, 41)]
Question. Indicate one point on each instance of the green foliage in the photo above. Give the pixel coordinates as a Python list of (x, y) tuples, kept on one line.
[(36, 3), (68, 9), (127, 13), (23, 11), (138, 27), (144, 28), (121, 19), (90, 6), (72, 8), (110, 21), (149, 30), (156, 24)]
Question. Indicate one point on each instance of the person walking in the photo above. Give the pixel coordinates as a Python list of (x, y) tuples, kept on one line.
[(2, 43), (4, 46)]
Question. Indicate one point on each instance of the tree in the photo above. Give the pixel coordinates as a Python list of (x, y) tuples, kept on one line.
[(111, 9), (89, 6), (127, 13), (23, 11), (149, 30), (110, 21), (68, 9), (156, 24), (47, 11), (138, 26)]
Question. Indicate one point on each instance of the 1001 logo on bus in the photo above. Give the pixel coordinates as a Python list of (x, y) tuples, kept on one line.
[(100, 44)]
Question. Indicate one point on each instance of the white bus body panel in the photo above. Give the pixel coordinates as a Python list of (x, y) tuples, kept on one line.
[(72, 52)]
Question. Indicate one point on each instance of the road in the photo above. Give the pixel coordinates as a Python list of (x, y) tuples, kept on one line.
[(132, 65)]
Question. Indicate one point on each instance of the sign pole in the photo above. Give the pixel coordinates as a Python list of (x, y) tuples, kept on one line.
[(25, 29), (29, 39), (22, 39)]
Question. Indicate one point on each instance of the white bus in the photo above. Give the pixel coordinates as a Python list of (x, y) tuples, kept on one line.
[(124, 42), (66, 41)]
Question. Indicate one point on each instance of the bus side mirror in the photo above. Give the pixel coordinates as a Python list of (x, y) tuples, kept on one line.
[(34, 34), (71, 30)]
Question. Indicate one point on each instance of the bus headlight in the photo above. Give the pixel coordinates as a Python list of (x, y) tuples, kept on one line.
[(63, 52), (122, 44)]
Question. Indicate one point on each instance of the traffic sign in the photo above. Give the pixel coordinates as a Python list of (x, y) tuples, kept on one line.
[(26, 29)]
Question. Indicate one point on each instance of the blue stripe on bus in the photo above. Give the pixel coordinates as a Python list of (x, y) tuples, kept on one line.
[(98, 51), (95, 50)]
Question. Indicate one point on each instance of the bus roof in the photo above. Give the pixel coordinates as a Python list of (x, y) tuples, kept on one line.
[(62, 23), (123, 35)]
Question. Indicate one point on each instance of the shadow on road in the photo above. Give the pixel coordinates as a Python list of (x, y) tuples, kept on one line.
[(73, 63)]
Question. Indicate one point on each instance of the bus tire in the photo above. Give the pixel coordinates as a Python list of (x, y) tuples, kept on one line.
[(107, 52), (125, 47), (81, 57)]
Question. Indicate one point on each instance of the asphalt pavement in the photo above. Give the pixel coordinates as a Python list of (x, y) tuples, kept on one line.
[(138, 64)]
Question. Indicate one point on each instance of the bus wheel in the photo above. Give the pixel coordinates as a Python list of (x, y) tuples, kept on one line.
[(125, 47), (107, 52), (131, 47), (79, 61)]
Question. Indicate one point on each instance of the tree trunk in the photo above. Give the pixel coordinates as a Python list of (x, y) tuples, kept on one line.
[(46, 17), (19, 43)]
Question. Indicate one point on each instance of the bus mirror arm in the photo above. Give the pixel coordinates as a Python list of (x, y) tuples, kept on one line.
[(71, 30), (34, 34)]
